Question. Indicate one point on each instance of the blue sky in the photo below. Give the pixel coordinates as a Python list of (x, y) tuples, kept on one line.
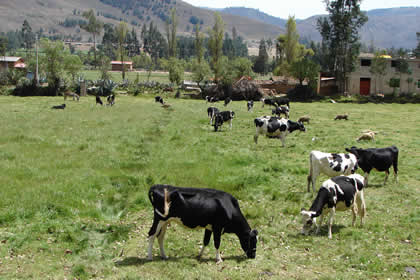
[(301, 9)]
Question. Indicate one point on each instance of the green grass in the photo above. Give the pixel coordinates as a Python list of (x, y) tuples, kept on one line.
[(74, 187), (116, 76)]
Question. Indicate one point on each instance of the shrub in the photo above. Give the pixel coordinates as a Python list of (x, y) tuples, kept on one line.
[(302, 93)]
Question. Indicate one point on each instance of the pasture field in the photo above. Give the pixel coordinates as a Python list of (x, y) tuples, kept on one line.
[(74, 184), (161, 77)]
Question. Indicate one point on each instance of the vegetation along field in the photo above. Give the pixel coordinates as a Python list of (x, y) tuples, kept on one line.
[(74, 184)]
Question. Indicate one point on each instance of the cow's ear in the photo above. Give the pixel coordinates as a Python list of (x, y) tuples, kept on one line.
[(254, 232)]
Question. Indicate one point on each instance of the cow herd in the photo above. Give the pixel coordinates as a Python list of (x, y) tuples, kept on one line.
[(218, 212)]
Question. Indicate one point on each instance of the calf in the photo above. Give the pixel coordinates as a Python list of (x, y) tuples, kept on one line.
[(227, 101), (267, 101), (342, 117), (339, 193), (380, 159), (281, 110), (62, 106), (222, 117), (330, 165), (274, 127), (211, 113), (216, 211), (249, 105), (282, 101), (110, 100), (370, 135), (159, 99), (98, 101)]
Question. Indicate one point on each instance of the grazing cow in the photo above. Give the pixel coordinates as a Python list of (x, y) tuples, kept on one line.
[(222, 117), (281, 110), (60, 107), (216, 211), (304, 119), (380, 159), (342, 117), (282, 101), (159, 99), (110, 100), (250, 105), (227, 101), (211, 99), (274, 127), (211, 113), (330, 165), (72, 94), (339, 193), (267, 101), (99, 101)]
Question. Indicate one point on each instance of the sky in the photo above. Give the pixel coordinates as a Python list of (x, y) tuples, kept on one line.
[(301, 9)]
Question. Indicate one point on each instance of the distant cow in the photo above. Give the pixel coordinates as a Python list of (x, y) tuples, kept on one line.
[(366, 136), (281, 110), (380, 159), (75, 96), (342, 117), (281, 101), (211, 99), (267, 101), (215, 211), (250, 105), (336, 194), (159, 99), (211, 113), (330, 165), (222, 117), (227, 101), (274, 127), (98, 101), (59, 107), (304, 119)]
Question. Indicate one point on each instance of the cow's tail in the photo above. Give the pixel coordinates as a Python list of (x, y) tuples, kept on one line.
[(395, 160)]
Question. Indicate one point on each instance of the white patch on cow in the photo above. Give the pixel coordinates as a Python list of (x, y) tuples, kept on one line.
[(339, 189)]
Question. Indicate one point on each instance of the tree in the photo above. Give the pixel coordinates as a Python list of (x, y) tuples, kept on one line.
[(176, 71), (417, 50), (27, 35), (402, 66), (305, 69), (215, 45), (199, 39), (121, 34), (260, 65), (3, 45), (201, 71), (339, 32), (378, 66), (94, 27), (72, 65), (171, 33)]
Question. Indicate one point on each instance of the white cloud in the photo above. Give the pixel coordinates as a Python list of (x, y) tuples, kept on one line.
[(301, 9)]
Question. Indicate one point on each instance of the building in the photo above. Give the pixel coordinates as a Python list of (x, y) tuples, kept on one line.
[(117, 65), (11, 62), (363, 82)]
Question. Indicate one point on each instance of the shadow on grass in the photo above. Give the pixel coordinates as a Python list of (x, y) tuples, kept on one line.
[(323, 231), (135, 261), (375, 186)]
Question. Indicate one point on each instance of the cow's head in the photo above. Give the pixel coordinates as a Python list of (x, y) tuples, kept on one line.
[(301, 127), (249, 244), (218, 121), (354, 151), (308, 220)]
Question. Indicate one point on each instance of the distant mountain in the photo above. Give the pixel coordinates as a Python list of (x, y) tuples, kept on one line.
[(61, 16), (386, 28)]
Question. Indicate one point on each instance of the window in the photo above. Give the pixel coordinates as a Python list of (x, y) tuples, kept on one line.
[(394, 83), (365, 62)]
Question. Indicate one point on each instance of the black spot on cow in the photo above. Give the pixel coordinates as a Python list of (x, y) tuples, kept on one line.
[(345, 167), (336, 157), (337, 167), (347, 156), (273, 126), (258, 122)]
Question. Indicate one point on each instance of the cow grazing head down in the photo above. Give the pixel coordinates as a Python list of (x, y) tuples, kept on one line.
[(221, 117), (308, 220), (249, 244)]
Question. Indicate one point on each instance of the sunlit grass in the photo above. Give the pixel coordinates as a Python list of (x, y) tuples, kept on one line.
[(74, 190)]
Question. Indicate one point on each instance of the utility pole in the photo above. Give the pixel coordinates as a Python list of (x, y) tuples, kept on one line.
[(36, 70)]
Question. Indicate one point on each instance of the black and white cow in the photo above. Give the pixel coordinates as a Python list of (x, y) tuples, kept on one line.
[(330, 165), (380, 159), (211, 113), (159, 99), (250, 105), (336, 194), (268, 101), (281, 101), (211, 99), (281, 110), (98, 101), (222, 117), (215, 211), (227, 101), (274, 127)]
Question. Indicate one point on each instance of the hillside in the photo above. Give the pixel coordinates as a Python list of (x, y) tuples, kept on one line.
[(386, 28), (48, 14)]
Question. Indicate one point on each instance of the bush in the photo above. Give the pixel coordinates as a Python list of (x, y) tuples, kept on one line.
[(302, 93)]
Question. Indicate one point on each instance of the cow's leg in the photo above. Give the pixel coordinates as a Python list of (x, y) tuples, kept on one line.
[(256, 136), (154, 230), (330, 222), (282, 138), (207, 235), (217, 234), (354, 210), (386, 176), (366, 178), (230, 123), (319, 224), (360, 200), (161, 236)]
